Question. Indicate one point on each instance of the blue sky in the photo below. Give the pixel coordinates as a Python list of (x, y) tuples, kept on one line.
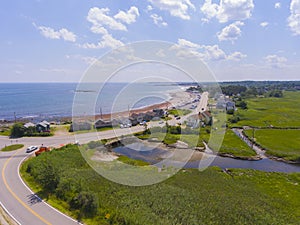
[(56, 41)]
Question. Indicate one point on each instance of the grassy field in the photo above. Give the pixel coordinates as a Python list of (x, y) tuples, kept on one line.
[(233, 145), (190, 197), (5, 132), (12, 147), (278, 112), (278, 142), (179, 112)]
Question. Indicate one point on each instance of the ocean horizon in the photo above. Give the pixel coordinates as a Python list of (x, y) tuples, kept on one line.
[(51, 101)]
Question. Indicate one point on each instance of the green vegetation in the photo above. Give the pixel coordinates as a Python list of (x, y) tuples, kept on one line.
[(12, 147), (171, 134), (5, 130), (275, 93), (276, 112), (18, 130), (233, 145), (233, 89), (133, 162), (283, 143), (189, 197), (179, 112)]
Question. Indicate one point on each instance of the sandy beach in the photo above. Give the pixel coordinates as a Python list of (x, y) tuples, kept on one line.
[(177, 99)]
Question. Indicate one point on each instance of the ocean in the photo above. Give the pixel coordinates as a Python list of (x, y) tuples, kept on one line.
[(37, 101)]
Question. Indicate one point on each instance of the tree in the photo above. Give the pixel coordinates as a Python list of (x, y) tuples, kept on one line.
[(86, 202), (276, 93), (230, 111), (243, 105), (17, 130), (233, 89), (48, 176)]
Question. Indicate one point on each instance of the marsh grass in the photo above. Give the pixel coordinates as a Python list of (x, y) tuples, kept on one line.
[(282, 143), (239, 196)]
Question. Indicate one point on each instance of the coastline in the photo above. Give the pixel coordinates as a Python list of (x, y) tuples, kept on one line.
[(176, 98)]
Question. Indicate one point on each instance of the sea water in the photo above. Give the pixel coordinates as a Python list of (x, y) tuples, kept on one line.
[(37, 101)]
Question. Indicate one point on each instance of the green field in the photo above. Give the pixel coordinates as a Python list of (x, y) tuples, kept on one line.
[(179, 112), (5, 131), (283, 143), (234, 146), (12, 147), (190, 197), (277, 112)]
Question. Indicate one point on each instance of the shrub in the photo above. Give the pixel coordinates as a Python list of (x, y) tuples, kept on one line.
[(87, 202), (17, 130)]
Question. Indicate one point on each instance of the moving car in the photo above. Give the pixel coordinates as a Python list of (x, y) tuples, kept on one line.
[(31, 148)]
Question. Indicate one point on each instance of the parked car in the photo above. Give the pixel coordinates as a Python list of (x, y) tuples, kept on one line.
[(31, 148), (143, 123)]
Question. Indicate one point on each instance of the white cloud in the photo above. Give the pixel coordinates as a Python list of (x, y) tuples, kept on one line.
[(129, 16), (264, 24), (177, 8), (277, 5), (158, 20), (275, 61), (294, 18), (228, 10), (149, 8), (50, 33), (207, 52), (213, 52), (67, 35), (231, 33), (210, 9), (87, 59), (187, 44), (236, 56), (108, 41), (100, 18)]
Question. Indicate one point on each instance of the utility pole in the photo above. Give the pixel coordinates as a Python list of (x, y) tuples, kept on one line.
[(100, 112), (253, 132), (15, 117)]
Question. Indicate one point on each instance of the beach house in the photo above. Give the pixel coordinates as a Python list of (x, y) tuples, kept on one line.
[(206, 117), (102, 123), (43, 126)]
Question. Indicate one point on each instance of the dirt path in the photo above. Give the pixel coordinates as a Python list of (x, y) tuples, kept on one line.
[(259, 151)]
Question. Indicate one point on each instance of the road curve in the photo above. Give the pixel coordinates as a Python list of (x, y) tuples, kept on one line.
[(22, 204)]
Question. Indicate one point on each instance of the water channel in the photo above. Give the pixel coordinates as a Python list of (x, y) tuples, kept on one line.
[(153, 156)]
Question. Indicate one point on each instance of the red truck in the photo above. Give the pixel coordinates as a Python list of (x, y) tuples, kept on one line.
[(41, 150)]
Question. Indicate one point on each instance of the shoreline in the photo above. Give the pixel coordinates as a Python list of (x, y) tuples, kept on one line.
[(176, 97)]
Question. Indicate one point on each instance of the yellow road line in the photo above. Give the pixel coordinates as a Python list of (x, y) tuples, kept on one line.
[(16, 197)]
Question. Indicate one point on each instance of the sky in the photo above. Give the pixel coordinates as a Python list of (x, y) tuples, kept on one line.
[(57, 41)]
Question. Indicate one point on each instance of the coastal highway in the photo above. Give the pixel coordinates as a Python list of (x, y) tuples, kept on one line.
[(201, 107), (24, 206)]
